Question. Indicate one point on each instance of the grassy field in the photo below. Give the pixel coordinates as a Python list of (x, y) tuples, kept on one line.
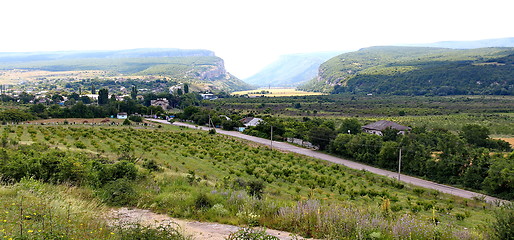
[(197, 175), (276, 92)]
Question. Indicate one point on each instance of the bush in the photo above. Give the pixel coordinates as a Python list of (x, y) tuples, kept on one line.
[(138, 231), (118, 193), (250, 234), (255, 188), (503, 228), (136, 118), (202, 201)]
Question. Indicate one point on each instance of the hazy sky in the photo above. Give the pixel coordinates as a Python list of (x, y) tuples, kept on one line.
[(246, 34)]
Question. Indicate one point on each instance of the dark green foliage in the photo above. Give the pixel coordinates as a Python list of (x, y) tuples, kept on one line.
[(202, 201), (321, 136), (126, 122), (103, 96), (390, 134), (135, 118), (475, 134), (255, 188), (350, 126), (500, 177), (15, 115), (119, 192), (151, 165)]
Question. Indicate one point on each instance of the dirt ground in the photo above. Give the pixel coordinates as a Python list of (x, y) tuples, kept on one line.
[(198, 230)]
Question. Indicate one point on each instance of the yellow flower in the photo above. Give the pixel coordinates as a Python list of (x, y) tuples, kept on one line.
[(112, 233), (30, 231)]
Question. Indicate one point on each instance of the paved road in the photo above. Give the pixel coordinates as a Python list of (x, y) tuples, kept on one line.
[(307, 152)]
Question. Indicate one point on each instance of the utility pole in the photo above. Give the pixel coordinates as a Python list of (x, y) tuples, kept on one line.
[(271, 137), (399, 163)]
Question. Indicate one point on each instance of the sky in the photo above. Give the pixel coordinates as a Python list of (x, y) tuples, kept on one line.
[(247, 34)]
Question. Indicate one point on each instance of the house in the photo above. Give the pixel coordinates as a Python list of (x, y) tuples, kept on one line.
[(208, 96), (122, 115), (378, 127), (251, 121), (160, 102)]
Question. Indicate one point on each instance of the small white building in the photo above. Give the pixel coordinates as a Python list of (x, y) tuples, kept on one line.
[(122, 115), (208, 96), (379, 126), (251, 121)]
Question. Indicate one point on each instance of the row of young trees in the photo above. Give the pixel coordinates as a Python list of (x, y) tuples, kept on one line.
[(470, 158)]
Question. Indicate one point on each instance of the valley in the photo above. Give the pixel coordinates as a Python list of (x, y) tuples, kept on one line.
[(173, 132)]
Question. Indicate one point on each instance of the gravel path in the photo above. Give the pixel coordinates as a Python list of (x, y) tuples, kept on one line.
[(198, 230), (307, 152)]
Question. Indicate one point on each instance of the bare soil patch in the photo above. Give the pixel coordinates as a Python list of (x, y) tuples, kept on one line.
[(199, 230)]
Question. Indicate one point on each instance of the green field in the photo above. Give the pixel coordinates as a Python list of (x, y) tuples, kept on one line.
[(275, 92), (196, 175)]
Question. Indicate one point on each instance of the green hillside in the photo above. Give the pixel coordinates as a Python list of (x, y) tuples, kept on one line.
[(209, 177), (418, 71)]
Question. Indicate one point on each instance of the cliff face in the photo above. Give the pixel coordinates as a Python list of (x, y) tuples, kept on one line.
[(215, 71)]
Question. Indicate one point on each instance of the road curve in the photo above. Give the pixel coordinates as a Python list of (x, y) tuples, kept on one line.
[(359, 166)]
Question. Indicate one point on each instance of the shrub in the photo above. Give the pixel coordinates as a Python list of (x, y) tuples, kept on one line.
[(202, 201), (503, 228), (138, 231), (255, 188), (250, 234), (118, 193), (136, 118)]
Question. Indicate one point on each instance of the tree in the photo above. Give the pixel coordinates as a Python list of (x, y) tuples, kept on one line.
[(475, 134), (350, 126), (93, 90), (388, 156), (133, 92), (321, 136), (103, 96), (389, 134), (186, 88)]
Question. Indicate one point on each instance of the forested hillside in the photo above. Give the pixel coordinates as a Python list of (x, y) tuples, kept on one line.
[(419, 71)]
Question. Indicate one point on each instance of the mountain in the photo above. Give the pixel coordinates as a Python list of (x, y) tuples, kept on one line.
[(290, 70), (196, 66), (498, 42), (418, 71)]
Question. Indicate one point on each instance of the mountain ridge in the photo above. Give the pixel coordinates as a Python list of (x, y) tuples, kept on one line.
[(290, 70), (418, 71), (182, 65)]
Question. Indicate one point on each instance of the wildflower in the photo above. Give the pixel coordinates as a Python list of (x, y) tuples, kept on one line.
[(30, 231), (112, 233)]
